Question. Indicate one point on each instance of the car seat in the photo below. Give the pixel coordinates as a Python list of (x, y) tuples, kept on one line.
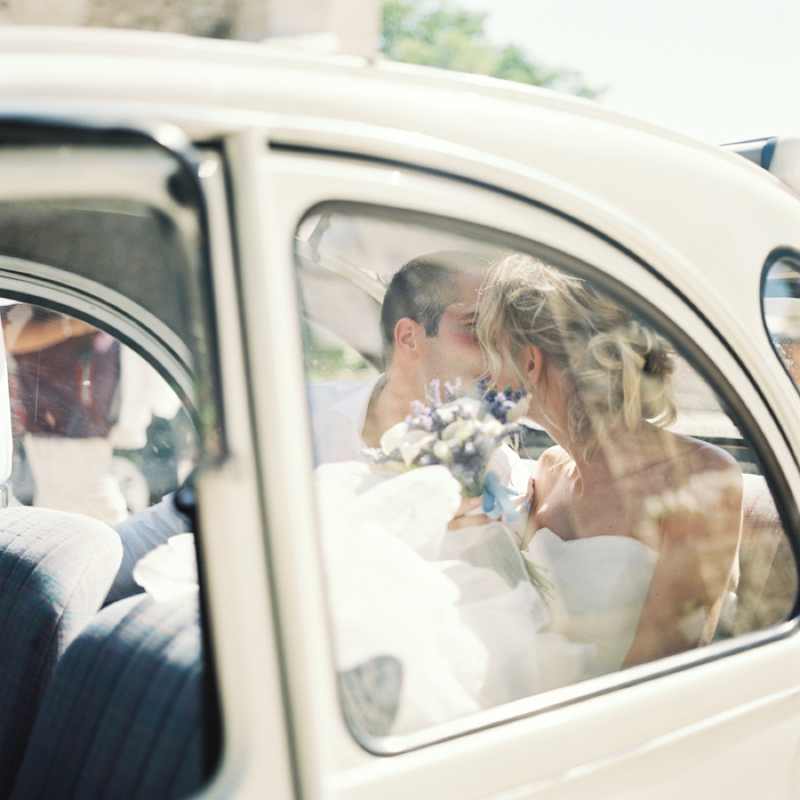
[(55, 570), (123, 715)]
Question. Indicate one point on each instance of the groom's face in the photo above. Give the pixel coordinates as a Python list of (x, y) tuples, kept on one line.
[(455, 352)]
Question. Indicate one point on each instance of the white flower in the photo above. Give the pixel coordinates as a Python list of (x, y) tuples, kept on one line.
[(469, 404), (458, 432), (442, 451), (409, 443), (391, 440), (466, 429), (491, 426), (447, 413), (416, 442)]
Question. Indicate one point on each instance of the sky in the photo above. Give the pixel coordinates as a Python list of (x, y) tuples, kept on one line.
[(717, 70)]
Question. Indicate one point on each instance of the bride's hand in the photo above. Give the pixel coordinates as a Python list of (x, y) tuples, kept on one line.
[(464, 519)]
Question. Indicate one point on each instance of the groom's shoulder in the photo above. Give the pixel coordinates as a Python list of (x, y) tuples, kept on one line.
[(346, 397), (333, 390)]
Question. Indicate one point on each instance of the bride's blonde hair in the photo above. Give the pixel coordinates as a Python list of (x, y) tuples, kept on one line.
[(621, 369)]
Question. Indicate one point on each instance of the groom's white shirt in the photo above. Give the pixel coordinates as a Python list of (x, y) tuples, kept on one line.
[(338, 413)]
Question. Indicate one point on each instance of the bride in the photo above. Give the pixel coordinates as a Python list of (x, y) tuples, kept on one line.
[(638, 527)]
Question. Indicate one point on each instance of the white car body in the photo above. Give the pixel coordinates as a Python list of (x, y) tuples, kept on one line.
[(687, 226)]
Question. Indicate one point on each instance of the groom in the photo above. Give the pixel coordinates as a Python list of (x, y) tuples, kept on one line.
[(428, 332)]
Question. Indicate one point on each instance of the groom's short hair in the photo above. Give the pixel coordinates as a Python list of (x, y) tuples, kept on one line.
[(421, 290)]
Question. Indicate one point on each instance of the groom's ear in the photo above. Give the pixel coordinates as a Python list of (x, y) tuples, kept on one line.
[(408, 339)]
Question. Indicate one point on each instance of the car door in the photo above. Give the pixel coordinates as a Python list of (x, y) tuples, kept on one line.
[(325, 219), (112, 242)]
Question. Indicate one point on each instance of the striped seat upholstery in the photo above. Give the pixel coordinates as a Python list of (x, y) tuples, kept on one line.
[(768, 581), (55, 570), (122, 717)]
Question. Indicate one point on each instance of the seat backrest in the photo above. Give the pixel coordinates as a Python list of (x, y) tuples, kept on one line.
[(55, 570), (123, 714), (768, 575)]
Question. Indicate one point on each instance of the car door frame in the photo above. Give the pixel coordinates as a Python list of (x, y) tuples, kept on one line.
[(610, 733)]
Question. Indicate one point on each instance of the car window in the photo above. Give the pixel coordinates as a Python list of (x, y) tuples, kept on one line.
[(781, 305), (446, 368), (96, 429), (108, 405)]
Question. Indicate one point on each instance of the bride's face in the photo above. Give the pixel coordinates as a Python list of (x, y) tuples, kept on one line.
[(510, 373), (521, 373)]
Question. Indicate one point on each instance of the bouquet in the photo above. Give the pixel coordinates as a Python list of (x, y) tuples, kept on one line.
[(460, 432)]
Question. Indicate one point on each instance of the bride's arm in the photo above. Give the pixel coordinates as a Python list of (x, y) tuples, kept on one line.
[(700, 527)]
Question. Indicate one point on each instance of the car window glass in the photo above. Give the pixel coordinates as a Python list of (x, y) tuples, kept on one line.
[(121, 224), (650, 529)]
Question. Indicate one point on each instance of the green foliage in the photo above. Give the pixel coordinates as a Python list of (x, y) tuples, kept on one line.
[(326, 359), (455, 39)]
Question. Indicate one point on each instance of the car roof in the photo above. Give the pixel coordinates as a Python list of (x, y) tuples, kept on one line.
[(220, 59), (633, 178)]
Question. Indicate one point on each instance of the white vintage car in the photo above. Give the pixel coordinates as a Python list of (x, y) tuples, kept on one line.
[(232, 216)]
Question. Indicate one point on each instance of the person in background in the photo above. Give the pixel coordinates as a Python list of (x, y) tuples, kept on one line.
[(66, 375)]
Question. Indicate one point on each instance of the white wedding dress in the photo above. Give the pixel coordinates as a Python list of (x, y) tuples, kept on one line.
[(599, 585), (457, 609)]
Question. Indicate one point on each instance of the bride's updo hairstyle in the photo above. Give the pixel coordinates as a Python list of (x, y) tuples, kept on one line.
[(621, 370)]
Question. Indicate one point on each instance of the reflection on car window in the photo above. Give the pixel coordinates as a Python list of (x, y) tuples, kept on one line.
[(448, 373)]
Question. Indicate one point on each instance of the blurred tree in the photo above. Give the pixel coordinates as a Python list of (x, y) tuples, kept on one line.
[(452, 38)]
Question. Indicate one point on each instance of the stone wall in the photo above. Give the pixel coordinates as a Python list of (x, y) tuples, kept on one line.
[(43, 12), (353, 24), (214, 18)]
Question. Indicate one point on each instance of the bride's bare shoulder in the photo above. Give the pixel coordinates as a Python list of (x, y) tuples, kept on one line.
[(704, 456), (706, 469)]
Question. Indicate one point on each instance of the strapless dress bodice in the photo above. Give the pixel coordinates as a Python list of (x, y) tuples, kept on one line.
[(599, 585)]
